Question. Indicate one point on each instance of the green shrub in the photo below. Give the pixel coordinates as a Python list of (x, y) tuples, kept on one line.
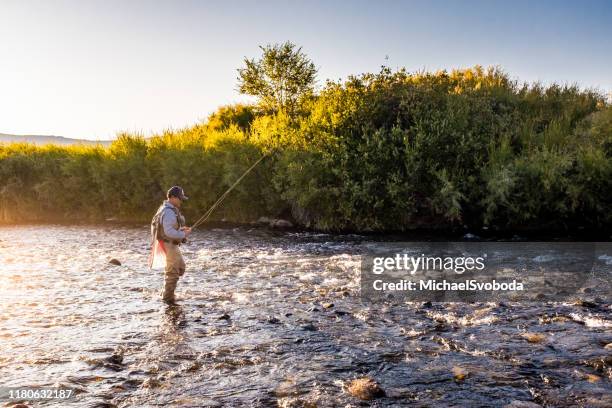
[(385, 151)]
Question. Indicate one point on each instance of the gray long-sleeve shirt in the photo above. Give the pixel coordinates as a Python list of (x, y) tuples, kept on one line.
[(170, 222)]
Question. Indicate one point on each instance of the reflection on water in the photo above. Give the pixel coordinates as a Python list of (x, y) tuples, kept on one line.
[(270, 319)]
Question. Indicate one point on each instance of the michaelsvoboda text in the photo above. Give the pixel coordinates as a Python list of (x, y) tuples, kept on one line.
[(434, 285)]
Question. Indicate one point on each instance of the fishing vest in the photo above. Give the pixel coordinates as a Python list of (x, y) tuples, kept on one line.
[(157, 229)]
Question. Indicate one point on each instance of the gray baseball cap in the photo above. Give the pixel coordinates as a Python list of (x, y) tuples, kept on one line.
[(176, 191)]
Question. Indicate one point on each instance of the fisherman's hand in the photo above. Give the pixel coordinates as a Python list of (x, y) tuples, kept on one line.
[(186, 230)]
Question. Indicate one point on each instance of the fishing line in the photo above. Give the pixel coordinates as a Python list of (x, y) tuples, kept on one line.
[(207, 214)]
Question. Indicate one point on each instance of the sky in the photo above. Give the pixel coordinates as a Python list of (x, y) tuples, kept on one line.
[(90, 69)]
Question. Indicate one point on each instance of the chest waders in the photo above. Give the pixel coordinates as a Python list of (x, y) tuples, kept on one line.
[(157, 229)]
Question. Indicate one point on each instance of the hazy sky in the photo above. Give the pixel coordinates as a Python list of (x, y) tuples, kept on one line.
[(88, 69)]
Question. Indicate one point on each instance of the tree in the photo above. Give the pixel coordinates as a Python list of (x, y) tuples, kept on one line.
[(238, 114), (280, 78)]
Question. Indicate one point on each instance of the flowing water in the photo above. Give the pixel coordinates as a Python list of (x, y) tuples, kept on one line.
[(272, 319)]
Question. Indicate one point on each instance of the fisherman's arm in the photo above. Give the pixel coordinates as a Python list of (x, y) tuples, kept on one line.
[(168, 222)]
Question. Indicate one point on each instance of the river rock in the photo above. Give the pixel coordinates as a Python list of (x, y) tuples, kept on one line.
[(365, 388), (585, 303), (224, 316), (115, 262), (309, 327), (151, 383), (115, 359), (327, 305), (273, 320), (264, 220), (459, 373), (340, 312), (592, 378), (533, 337), (587, 290), (281, 224)]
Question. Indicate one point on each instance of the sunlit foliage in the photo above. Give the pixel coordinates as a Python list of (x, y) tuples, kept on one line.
[(384, 151)]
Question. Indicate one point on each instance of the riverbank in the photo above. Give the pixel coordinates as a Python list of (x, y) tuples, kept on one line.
[(416, 235)]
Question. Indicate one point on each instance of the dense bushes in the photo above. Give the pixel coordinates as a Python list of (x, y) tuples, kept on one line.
[(386, 151)]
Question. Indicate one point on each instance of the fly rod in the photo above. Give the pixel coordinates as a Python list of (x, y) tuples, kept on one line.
[(207, 214)]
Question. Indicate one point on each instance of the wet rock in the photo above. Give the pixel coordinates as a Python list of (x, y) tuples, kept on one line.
[(540, 296), (592, 378), (131, 383), (459, 373), (601, 365), (587, 290), (533, 337), (151, 383), (224, 316), (193, 367), (273, 320), (115, 359), (154, 369), (522, 404), (281, 224), (309, 327), (288, 314), (263, 220), (365, 388), (554, 319), (608, 346), (585, 303), (313, 309), (115, 261), (287, 388), (426, 305), (340, 312), (118, 388), (18, 406), (327, 305)]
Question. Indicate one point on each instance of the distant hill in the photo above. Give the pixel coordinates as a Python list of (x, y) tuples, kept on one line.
[(43, 140)]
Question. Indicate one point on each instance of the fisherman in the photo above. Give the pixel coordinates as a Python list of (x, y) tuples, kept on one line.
[(168, 231)]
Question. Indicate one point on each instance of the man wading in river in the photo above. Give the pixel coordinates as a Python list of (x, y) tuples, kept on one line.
[(168, 231)]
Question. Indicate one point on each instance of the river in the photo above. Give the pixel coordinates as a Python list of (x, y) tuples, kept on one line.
[(268, 318)]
